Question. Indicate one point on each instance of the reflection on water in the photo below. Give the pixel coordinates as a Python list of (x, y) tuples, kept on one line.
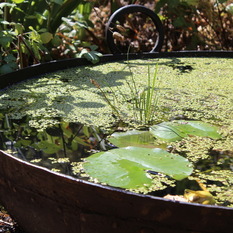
[(55, 147)]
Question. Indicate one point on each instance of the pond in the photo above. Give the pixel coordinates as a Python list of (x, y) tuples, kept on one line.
[(59, 120)]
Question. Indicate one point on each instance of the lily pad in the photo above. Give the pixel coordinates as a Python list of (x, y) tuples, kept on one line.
[(176, 130), (133, 138), (127, 167)]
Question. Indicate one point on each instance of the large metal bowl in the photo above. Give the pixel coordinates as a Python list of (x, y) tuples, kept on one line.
[(42, 201)]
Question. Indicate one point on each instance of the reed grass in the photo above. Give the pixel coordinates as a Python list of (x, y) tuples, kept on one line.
[(143, 102), (147, 99)]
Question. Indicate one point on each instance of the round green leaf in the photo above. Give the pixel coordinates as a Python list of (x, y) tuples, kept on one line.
[(176, 130), (46, 37), (199, 128), (132, 138), (127, 167), (167, 131)]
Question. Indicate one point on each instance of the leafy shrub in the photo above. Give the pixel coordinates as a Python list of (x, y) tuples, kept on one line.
[(196, 24), (29, 31), (42, 30)]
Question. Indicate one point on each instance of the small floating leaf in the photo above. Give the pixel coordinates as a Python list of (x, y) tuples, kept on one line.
[(176, 130), (167, 131), (132, 138), (127, 167)]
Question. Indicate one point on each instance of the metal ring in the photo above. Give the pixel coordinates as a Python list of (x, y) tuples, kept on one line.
[(132, 9)]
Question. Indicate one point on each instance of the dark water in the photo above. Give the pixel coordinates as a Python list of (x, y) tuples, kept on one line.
[(55, 147)]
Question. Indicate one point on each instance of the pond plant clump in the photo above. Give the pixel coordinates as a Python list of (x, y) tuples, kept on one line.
[(160, 126)]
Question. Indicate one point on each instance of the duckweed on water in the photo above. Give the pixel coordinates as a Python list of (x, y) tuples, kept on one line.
[(71, 96), (188, 88)]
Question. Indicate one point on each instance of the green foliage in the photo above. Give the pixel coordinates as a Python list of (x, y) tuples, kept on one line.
[(64, 27), (77, 27), (7, 63), (176, 130), (127, 167), (193, 24), (43, 14), (133, 138), (29, 31), (59, 142), (91, 55), (145, 101), (142, 101)]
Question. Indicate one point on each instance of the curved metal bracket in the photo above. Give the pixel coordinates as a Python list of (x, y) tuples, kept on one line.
[(119, 14)]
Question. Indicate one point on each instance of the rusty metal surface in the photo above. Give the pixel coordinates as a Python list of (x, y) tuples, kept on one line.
[(44, 201)]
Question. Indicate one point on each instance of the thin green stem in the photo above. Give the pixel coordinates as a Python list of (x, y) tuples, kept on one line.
[(106, 98), (144, 102)]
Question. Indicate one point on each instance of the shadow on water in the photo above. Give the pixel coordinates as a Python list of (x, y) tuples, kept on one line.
[(174, 63), (52, 94), (60, 142)]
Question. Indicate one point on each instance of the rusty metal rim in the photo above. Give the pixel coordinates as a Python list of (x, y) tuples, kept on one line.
[(11, 157), (52, 202)]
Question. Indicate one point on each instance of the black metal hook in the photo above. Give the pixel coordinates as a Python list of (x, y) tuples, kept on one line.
[(119, 15)]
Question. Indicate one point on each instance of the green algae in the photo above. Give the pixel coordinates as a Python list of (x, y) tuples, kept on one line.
[(70, 95), (188, 88), (219, 183)]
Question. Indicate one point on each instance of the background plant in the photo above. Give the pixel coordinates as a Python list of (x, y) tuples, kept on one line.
[(31, 31), (195, 24), (43, 30)]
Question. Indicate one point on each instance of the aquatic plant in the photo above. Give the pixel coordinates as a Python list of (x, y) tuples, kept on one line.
[(142, 101), (189, 89), (145, 100), (131, 163), (176, 130), (130, 167)]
